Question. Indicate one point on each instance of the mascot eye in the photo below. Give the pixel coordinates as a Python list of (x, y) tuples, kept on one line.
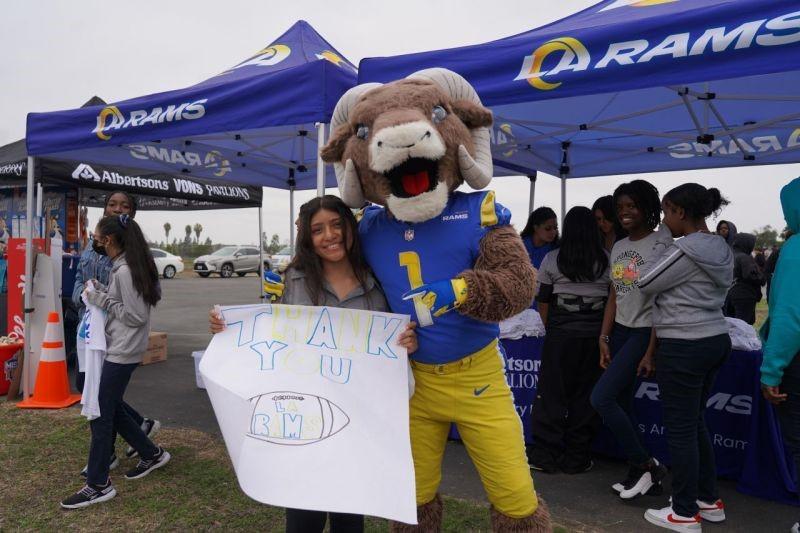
[(438, 114), (362, 131)]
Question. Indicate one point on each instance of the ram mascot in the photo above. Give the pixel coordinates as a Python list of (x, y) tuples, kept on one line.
[(451, 260)]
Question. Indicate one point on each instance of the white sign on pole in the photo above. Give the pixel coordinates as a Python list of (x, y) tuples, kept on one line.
[(313, 406)]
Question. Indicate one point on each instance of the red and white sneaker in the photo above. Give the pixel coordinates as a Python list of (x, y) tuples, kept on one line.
[(668, 520), (713, 512)]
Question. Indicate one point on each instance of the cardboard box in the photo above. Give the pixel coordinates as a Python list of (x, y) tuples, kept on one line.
[(156, 348)]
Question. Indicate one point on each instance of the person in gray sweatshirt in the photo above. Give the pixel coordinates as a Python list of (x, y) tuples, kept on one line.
[(131, 293), (689, 281)]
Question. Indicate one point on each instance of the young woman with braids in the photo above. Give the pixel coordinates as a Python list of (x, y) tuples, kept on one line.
[(626, 338), (131, 293)]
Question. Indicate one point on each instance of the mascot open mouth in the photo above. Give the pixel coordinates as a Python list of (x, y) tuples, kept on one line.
[(414, 177)]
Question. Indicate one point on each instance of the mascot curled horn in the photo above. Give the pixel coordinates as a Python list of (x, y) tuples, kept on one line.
[(407, 146)]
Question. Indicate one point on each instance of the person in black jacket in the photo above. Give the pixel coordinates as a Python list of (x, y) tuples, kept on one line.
[(747, 280)]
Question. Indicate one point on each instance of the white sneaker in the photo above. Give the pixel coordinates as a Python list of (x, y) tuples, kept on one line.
[(713, 512), (668, 520), (640, 481)]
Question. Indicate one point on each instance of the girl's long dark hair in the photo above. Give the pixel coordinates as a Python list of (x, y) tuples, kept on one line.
[(581, 256), (538, 216), (605, 204), (129, 237), (307, 260)]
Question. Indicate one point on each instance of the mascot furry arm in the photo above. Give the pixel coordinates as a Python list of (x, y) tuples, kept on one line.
[(408, 145)]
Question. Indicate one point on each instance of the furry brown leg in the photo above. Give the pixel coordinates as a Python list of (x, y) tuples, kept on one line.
[(429, 518), (538, 522)]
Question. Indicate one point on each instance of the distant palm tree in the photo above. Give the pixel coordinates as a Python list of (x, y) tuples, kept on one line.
[(188, 230), (167, 228), (198, 229)]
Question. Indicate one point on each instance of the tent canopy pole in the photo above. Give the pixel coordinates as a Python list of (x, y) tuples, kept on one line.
[(261, 255), (532, 197), (563, 173), (26, 368), (320, 162)]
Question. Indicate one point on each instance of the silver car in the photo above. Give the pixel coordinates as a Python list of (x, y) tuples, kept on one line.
[(229, 260)]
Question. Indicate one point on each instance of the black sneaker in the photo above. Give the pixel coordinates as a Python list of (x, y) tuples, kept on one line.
[(90, 495), (114, 463), (542, 460), (144, 467), (150, 428), (642, 479), (576, 466)]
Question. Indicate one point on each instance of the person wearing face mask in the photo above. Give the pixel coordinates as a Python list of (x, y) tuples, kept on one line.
[(127, 301), (95, 264)]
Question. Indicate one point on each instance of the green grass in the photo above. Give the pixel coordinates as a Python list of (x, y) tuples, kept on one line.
[(762, 310), (42, 451)]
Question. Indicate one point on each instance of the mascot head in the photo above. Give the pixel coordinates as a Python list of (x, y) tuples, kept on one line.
[(409, 143)]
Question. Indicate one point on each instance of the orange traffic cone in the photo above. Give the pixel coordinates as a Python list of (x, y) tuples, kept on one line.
[(52, 385)]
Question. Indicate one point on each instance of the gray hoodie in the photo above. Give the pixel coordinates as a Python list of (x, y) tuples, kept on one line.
[(128, 315), (690, 280)]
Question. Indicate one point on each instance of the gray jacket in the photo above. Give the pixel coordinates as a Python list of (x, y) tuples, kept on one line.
[(369, 298), (128, 315), (690, 280)]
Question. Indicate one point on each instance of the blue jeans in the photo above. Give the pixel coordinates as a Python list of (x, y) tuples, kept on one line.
[(612, 397), (685, 371), (113, 415), (789, 411)]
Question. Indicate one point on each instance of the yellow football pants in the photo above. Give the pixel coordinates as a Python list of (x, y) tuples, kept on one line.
[(473, 393)]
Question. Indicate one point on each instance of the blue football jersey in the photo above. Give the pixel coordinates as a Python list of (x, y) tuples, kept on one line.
[(406, 255)]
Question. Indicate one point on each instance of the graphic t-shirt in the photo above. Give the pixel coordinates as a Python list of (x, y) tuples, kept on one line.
[(627, 262)]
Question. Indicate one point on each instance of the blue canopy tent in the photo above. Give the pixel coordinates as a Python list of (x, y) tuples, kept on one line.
[(259, 122), (629, 86)]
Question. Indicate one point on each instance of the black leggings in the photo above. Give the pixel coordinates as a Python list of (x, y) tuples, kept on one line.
[(303, 521)]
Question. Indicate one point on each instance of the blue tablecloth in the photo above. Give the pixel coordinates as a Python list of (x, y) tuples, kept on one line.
[(743, 426)]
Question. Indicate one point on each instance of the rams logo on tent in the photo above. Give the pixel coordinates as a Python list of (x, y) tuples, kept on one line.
[(574, 56), (635, 3), (271, 55), (293, 418)]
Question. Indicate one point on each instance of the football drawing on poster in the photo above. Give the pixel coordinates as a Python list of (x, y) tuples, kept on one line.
[(313, 406)]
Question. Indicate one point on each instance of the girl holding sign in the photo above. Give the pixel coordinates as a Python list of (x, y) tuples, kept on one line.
[(132, 292), (328, 269)]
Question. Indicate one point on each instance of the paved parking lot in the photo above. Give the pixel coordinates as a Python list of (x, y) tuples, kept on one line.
[(168, 392)]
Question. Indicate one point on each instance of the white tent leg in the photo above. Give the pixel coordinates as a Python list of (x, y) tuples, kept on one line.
[(28, 279), (532, 196), (563, 199), (320, 162), (261, 254), (291, 218)]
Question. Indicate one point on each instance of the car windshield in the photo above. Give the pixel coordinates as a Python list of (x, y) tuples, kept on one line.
[(285, 251), (227, 250)]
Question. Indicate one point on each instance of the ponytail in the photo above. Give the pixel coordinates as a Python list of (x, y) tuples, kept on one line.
[(129, 237), (697, 201)]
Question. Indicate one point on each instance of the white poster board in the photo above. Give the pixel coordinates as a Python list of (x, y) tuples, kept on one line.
[(313, 406)]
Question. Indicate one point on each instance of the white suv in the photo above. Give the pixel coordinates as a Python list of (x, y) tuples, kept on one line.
[(229, 259)]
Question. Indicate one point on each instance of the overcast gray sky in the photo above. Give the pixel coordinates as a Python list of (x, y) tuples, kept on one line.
[(56, 54)]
